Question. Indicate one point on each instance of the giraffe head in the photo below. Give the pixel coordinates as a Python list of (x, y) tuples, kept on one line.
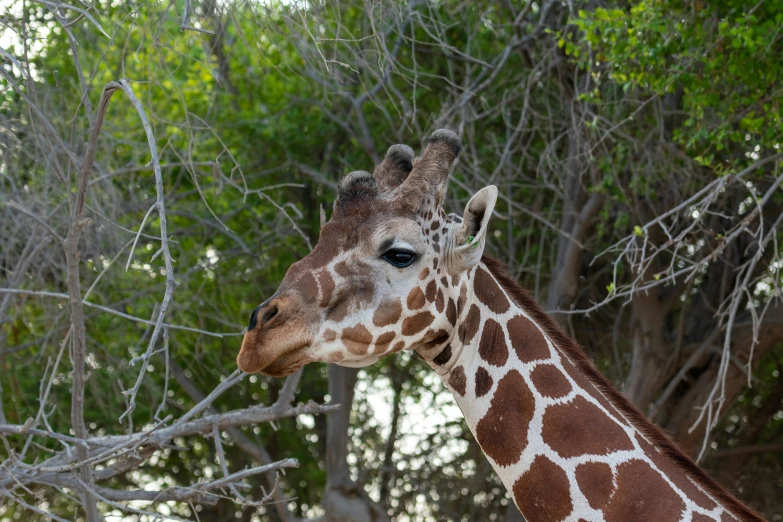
[(388, 272)]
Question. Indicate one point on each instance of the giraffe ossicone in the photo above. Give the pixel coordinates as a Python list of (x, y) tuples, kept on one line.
[(392, 271)]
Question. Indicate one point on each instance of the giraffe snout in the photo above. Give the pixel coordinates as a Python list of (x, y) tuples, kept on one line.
[(276, 328)]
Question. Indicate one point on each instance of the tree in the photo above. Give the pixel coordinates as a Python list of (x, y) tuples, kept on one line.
[(637, 152)]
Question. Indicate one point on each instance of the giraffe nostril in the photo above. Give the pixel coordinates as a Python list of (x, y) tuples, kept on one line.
[(260, 321), (269, 315)]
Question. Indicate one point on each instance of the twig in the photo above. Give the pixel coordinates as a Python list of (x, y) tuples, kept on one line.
[(81, 12), (108, 310), (168, 261), (230, 381), (78, 346), (10, 429), (38, 220), (185, 24)]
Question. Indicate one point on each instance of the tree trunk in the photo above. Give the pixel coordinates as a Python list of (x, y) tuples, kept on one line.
[(344, 499), (651, 353)]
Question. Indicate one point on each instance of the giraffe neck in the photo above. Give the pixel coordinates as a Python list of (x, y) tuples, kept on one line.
[(564, 443)]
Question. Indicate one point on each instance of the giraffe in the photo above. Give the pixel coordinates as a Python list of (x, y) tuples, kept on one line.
[(392, 271)]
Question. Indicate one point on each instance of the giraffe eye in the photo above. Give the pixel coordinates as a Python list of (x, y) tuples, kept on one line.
[(399, 258)]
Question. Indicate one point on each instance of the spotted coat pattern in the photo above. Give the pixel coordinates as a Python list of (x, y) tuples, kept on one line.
[(560, 446)]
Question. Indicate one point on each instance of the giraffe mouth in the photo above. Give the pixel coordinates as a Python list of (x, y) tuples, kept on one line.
[(279, 354), (288, 363)]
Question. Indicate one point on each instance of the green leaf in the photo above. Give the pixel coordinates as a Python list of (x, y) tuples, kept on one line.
[(637, 231)]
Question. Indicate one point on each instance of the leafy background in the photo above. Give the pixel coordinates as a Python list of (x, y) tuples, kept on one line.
[(594, 119)]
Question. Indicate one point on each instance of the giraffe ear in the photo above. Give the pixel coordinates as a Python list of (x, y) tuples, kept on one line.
[(471, 236)]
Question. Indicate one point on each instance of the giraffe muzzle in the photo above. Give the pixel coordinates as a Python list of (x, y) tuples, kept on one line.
[(276, 339)]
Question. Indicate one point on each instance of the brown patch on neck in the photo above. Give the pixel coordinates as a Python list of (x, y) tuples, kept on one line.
[(579, 427), (470, 325), (549, 381), (543, 491), (682, 482), (649, 430), (492, 346), (595, 483), (642, 494), (483, 382), (451, 312), (526, 340), (502, 432), (488, 292), (458, 380)]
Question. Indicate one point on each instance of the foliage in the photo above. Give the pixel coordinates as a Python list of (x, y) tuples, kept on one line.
[(635, 107), (721, 58)]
